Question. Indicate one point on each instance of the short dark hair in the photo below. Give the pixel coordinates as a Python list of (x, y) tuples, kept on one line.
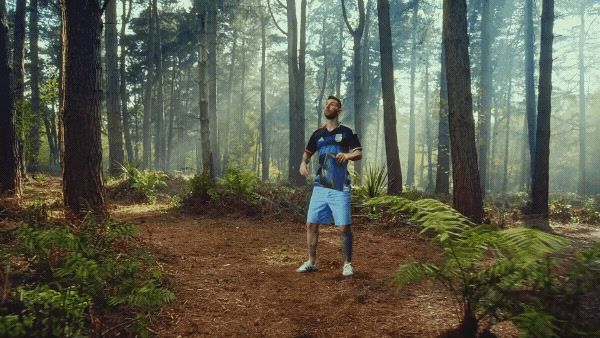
[(331, 97)]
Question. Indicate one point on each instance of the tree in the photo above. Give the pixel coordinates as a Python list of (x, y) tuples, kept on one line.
[(357, 71), (146, 124), (33, 150), (465, 175), (19, 78), (410, 171), (10, 175), (82, 153), (486, 94), (125, 16), (264, 19), (207, 165), (115, 128), (158, 102), (212, 83), (581, 188), (530, 84), (442, 178), (389, 98), (539, 185)]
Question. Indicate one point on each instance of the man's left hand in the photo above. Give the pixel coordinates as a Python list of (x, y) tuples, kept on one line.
[(342, 158)]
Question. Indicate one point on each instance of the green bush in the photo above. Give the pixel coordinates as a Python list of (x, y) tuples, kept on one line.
[(374, 184), (202, 186), (144, 181), (242, 184)]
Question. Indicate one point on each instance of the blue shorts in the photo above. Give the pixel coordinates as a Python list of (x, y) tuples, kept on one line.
[(329, 205)]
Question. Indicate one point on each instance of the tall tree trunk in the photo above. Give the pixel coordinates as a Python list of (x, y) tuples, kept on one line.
[(539, 186), (410, 171), (428, 138), (466, 184), (442, 178), (207, 166), (229, 101), (172, 112), (19, 80), (366, 75), (357, 72), (530, 85), (389, 99), (125, 15), (263, 107), (212, 84), (582, 111), (339, 63), (33, 152), (115, 128), (82, 155), (158, 105), (147, 120), (10, 177), (296, 80), (507, 131), (486, 94)]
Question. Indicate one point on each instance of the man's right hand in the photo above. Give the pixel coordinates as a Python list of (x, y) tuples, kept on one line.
[(303, 169)]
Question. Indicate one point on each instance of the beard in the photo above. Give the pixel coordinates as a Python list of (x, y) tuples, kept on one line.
[(331, 115)]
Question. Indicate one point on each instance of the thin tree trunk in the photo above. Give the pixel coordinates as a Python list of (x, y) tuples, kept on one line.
[(158, 105), (146, 124), (582, 109), (126, 14), (207, 167), (228, 115), (539, 186), (357, 72), (530, 85), (34, 141), (442, 178), (428, 139), (19, 80), (486, 95), (410, 171), (82, 155), (10, 178), (212, 84), (466, 184), (507, 131), (389, 99), (172, 114), (263, 108), (115, 127)]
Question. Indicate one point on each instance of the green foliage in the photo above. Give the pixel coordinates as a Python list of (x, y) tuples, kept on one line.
[(46, 313), (240, 183), (202, 186), (145, 181), (73, 270), (484, 267), (374, 184)]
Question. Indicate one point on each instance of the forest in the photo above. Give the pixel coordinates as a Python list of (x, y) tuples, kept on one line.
[(157, 175)]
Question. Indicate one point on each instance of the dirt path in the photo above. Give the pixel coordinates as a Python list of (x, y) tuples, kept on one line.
[(235, 277)]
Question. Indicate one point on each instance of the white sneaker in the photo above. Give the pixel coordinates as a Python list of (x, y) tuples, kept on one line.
[(307, 267), (348, 270)]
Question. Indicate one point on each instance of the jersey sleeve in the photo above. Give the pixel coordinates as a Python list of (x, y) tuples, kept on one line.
[(354, 143), (311, 147)]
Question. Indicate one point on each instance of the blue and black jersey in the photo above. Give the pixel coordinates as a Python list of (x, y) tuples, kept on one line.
[(327, 144)]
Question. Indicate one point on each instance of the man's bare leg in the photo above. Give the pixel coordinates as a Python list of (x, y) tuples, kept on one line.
[(346, 236), (312, 237)]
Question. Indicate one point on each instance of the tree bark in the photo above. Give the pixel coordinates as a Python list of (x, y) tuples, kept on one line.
[(10, 177), (582, 109), (357, 72), (410, 171), (82, 153), (207, 167), (226, 130), (530, 86), (158, 105), (126, 14), (442, 178), (212, 84), (263, 113), (486, 95), (507, 131), (466, 184), (146, 124), (428, 138), (33, 151), (539, 186), (389, 99), (115, 128), (18, 82)]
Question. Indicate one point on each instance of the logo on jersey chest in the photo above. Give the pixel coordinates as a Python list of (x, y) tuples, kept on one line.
[(338, 137)]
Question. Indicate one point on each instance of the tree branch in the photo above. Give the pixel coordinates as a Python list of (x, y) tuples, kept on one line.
[(273, 17)]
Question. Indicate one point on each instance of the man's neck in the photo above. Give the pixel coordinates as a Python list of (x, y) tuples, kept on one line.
[(332, 124)]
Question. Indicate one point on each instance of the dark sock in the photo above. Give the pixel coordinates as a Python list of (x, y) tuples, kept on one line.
[(347, 245)]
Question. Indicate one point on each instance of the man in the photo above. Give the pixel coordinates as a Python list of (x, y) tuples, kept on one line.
[(336, 144)]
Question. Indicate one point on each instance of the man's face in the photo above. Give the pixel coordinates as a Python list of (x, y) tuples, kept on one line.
[(332, 109)]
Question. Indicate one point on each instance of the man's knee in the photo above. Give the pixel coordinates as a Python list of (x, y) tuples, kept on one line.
[(345, 228), (312, 227)]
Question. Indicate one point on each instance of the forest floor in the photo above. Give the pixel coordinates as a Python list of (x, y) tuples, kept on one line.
[(235, 276)]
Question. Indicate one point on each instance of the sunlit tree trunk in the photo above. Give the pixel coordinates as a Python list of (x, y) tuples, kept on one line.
[(428, 138), (207, 166), (507, 131), (82, 155), (158, 104), (530, 86), (263, 108), (357, 70), (466, 193), (442, 178), (146, 124), (229, 92), (10, 175), (389, 99), (115, 127), (212, 84), (539, 186)]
